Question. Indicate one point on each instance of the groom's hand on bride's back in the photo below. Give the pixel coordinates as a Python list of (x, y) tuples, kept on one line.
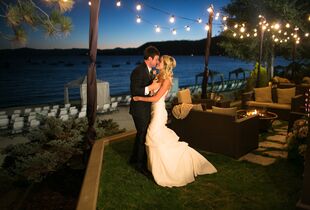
[(154, 86)]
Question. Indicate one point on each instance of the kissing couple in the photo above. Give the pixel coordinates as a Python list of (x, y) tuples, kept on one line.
[(157, 148)]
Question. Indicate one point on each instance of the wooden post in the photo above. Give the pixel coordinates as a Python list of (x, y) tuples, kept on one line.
[(204, 84), (261, 37)]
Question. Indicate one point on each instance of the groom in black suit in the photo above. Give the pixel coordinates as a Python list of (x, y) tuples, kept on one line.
[(142, 84)]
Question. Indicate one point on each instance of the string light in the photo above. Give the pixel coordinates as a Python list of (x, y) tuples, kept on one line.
[(277, 26), (118, 3), (89, 3), (187, 28), (157, 29), (225, 28), (234, 34), (138, 19), (199, 20), (242, 29), (172, 19), (207, 27), (138, 7), (210, 9), (224, 18), (306, 34), (287, 25), (174, 31)]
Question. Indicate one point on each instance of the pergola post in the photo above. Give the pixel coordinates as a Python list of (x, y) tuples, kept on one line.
[(204, 84)]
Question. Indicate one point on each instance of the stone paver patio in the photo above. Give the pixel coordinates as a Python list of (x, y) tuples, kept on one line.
[(270, 149)]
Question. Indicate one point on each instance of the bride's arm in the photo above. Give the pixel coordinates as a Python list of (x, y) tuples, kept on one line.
[(162, 90)]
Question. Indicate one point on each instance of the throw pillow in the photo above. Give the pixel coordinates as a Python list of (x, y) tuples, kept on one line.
[(263, 94), (227, 111), (184, 96), (197, 107), (285, 95)]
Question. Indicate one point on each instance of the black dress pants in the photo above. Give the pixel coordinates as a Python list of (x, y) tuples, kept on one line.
[(138, 157)]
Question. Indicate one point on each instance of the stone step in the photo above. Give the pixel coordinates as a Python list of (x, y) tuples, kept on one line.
[(277, 138), (258, 159), (276, 153), (268, 144)]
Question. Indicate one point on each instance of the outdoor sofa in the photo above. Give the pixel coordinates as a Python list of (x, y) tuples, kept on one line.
[(218, 133), (281, 101)]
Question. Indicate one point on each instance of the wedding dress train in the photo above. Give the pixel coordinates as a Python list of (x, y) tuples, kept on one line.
[(172, 162)]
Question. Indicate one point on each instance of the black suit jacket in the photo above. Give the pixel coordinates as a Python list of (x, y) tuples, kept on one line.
[(139, 79)]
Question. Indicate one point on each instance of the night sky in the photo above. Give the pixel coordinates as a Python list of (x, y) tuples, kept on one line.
[(118, 26)]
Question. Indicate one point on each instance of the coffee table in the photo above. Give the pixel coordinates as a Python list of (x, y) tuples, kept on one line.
[(265, 118)]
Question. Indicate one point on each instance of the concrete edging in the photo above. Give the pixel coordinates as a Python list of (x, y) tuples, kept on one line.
[(90, 187)]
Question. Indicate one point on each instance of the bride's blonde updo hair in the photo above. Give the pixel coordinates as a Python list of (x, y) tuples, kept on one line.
[(169, 64)]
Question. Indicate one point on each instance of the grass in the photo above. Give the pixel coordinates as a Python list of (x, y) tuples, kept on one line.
[(237, 185)]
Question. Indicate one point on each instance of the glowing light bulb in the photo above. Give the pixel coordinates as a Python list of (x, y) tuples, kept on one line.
[(172, 19), (306, 34), (157, 29), (234, 34), (225, 28), (138, 19), (224, 18), (297, 42), (255, 34), (285, 33), (199, 20), (174, 32), (296, 28), (264, 27), (138, 7), (89, 3), (255, 30), (118, 3), (248, 35), (277, 26), (210, 9), (241, 37), (207, 27), (242, 29), (187, 28), (276, 39), (295, 36), (236, 26), (287, 25)]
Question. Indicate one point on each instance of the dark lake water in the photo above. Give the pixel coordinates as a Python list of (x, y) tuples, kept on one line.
[(41, 79)]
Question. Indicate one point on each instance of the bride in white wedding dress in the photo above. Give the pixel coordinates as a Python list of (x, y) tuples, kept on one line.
[(172, 162)]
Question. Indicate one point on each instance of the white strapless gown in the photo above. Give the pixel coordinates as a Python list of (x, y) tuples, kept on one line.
[(172, 162)]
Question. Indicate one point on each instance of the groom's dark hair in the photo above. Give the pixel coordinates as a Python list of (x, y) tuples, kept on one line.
[(151, 51)]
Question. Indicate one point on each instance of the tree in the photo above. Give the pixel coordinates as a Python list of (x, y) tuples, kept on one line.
[(47, 16), (246, 45)]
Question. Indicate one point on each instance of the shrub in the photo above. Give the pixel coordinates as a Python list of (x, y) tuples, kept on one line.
[(51, 147), (297, 140), (251, 81)]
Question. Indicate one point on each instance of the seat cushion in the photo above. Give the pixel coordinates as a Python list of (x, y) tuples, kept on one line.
[(227, 111), (184, 96), (268, 105), (285, 95), (263, 94)]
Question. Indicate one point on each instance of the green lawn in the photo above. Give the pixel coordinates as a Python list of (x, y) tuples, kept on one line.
[(237, 185)]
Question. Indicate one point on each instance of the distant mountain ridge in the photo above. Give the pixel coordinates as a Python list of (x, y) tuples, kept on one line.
[(178, 47)]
